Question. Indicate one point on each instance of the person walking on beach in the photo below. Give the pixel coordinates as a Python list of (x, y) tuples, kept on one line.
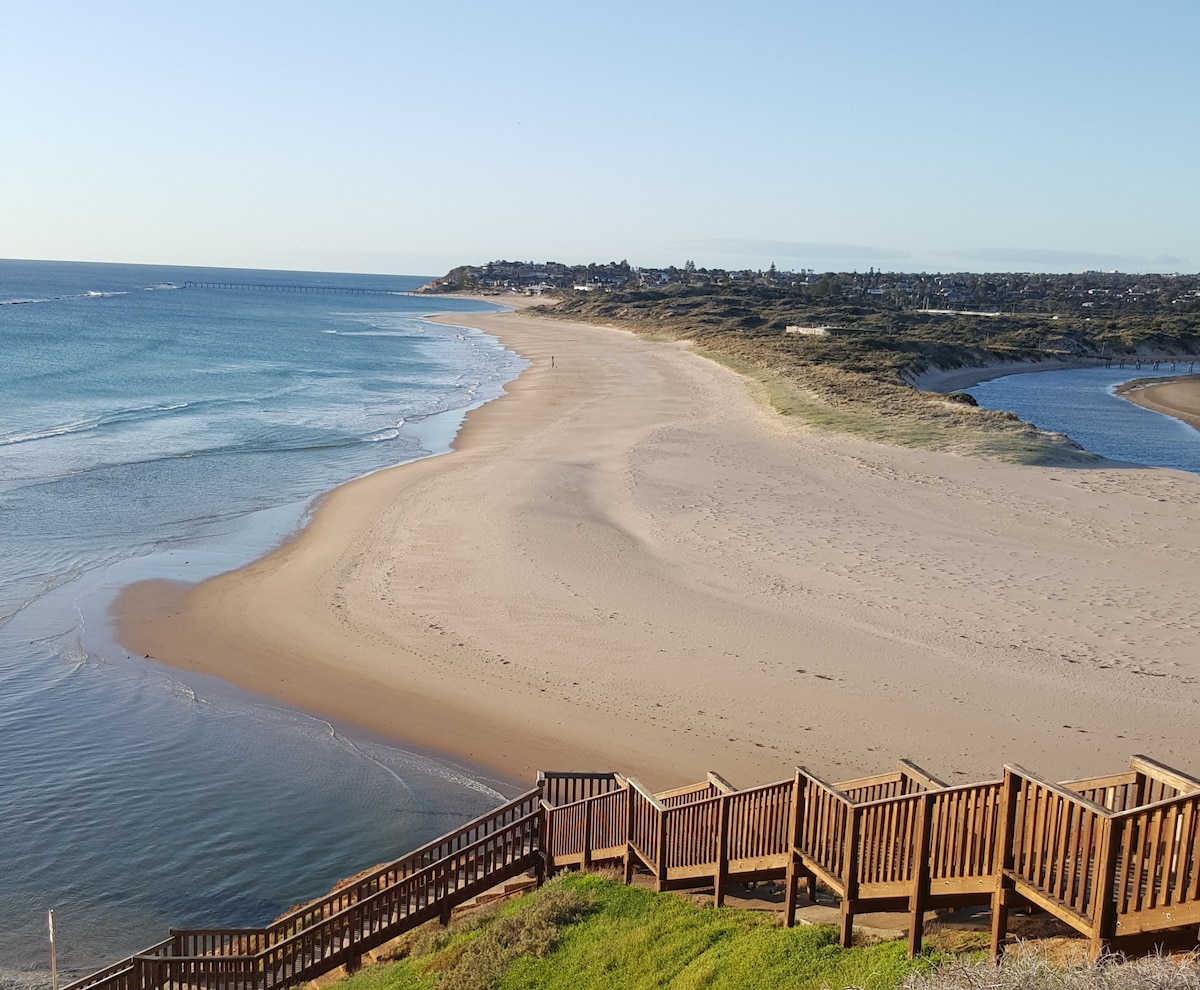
[(551, 360)]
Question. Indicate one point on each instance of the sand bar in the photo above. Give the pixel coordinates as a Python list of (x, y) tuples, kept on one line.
[(1177, 397), (629, 563)]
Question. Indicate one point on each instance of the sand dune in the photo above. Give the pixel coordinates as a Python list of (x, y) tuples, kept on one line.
[(628, 563)]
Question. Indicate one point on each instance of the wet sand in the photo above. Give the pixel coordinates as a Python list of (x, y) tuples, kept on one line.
[(628, 563)]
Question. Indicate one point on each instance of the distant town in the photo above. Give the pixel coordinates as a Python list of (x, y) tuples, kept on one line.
[(1101, 293)]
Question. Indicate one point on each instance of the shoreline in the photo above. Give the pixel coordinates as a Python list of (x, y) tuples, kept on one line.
[(945, 380), (626, 563), (1177, 397)]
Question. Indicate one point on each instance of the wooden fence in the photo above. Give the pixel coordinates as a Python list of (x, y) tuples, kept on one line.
[(1116, 857)]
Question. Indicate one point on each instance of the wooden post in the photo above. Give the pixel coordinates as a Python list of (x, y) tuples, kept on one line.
[(547, 841), (1104, 907), (789, 903), (587, 837), (660, 868), (1004, 862), (850, 875), (722, 851), (629, 793), (920, 891), (1139, 789), (541, 838)]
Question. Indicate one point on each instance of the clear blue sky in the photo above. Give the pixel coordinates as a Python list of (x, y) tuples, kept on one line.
[(409, 137)]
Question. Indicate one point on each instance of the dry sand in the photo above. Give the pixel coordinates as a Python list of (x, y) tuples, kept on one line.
[(628, 563)]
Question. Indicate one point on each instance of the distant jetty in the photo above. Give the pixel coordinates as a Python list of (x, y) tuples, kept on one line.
[(351, 290)]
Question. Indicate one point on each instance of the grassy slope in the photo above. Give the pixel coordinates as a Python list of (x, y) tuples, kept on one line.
[(589, 932), (626, 937)]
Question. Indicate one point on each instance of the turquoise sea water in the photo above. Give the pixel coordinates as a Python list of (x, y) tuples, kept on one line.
[(1083, 404), (147, 429)]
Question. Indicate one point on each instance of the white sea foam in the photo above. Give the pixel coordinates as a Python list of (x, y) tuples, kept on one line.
[(378, 333), (78, 426)]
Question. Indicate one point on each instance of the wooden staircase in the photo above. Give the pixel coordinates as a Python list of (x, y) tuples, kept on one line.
[(1116, 857), (338, 929)]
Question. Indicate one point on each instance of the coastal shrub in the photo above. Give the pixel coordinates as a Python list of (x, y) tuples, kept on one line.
[(530, 932), (433, 937), (1032, 969)]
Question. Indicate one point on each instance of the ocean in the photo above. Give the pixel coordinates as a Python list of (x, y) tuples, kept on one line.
[(152, 429)]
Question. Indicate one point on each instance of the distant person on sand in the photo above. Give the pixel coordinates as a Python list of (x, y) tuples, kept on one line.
[(551, 360)]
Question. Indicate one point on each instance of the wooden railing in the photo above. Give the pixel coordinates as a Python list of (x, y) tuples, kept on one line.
[(427, 883), (567, 787), (1107, 873), (907, 778), (704, 834), (963, 837), (646, 840), (1157, 864), (714, 786), (1146, 782), (759, 827), (1112, 856)]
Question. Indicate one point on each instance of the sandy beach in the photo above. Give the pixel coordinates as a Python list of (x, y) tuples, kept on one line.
[(1178, 397), (629, 563)]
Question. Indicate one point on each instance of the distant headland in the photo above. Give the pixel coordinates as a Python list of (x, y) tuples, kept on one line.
[(871, 353)]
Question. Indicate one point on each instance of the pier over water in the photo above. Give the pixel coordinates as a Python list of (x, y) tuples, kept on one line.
[(350, 290)]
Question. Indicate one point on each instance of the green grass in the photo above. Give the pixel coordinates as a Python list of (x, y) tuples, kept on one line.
[(842, 402), (589, 932)]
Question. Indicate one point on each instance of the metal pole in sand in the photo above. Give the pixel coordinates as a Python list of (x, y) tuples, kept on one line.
[(53, 956)]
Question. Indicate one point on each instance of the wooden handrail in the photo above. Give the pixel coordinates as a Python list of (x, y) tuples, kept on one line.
[(644, 792), (411, 880), (1058, 789), (1164, 774), (835, 789), (1142, 809), (859, 783), (764, 787), (301, 917), (720, 783), (576, 774), (910, 769), (1096, 783)]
